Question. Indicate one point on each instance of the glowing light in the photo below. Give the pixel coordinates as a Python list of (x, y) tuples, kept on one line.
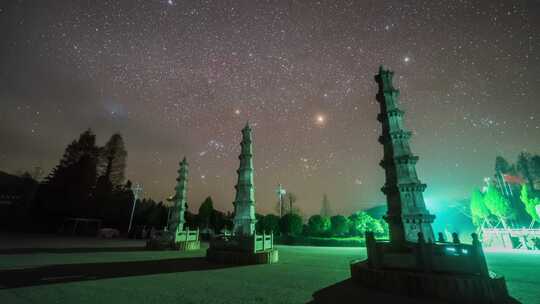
[(237, 112), (407, 59), (320, 119)]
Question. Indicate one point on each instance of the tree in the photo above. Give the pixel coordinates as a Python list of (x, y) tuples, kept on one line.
[(339, 225), (218, 220), (531, 203), (71, 182), (523, 167), (361, 222), (291, 198), (291, 224), (205, 211), (113, 160), (325, 208), (479, 211), (535, 167), (269, 223), (318, 225), (498, 205), (502, 165)]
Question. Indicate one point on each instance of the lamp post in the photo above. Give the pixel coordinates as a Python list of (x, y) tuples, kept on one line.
[(136, 190), (281, 192)]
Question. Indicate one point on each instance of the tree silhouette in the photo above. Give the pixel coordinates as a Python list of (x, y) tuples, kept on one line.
[(502, 165), (523, 167), (113, 160), (205, 211), (290, 224)]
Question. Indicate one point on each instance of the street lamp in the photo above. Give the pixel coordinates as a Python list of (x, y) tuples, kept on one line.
[(136, 190)]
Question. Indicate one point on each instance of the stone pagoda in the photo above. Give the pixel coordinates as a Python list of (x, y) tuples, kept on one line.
[(176, 236), (412, 262), (407, 214), (244, 203), (244, 246)]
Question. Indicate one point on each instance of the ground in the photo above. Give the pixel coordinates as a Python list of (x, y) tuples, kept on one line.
[(116, 271)]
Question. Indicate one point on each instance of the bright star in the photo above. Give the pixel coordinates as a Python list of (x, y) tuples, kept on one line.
[(320, 119), (407, 59)]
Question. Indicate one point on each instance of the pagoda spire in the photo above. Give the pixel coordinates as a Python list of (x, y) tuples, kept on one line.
[(244, 203), (176, 219), (407, 214)]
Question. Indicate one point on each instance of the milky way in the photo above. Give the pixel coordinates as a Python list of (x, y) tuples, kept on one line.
[(182, 78)]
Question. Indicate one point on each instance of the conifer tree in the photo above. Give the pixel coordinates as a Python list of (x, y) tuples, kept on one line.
[(113, 159)]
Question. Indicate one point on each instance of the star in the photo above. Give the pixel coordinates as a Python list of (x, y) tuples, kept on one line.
[(406, 59), (320, 119)]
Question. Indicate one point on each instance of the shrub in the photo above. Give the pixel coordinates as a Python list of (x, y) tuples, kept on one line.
[(290, 224)]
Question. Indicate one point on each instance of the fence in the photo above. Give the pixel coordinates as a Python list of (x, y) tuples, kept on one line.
[(441, 256)]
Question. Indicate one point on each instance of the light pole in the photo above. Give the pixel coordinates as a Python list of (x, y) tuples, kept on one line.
[(281, 192), (136, 190)]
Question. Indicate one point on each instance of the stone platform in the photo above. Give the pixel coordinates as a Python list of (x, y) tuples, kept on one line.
[(463, 288), (167, 245), (238, 257)]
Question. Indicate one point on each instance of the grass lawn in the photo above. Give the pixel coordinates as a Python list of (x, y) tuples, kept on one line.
[(172, 277)]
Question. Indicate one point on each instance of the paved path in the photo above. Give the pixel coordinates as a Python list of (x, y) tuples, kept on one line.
[(105, 271)]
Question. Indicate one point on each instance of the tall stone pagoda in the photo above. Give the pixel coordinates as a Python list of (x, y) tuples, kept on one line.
[(176, 218), (244, 246), (244, 203), (407, 214), (413, 262), (177, 236)]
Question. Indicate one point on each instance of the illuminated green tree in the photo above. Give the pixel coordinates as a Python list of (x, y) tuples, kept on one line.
[(479, 211), (498, 205), (531, 203), (360, 222)]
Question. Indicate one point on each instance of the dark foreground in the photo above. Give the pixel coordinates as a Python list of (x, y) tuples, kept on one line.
[(105, 271)]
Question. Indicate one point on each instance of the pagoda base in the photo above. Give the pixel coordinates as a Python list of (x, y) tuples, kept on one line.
[(243, 250), (168, 245), (463, 288), (270, 256)]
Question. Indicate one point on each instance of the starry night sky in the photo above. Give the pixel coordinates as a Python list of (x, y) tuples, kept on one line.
[(182, 77)]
